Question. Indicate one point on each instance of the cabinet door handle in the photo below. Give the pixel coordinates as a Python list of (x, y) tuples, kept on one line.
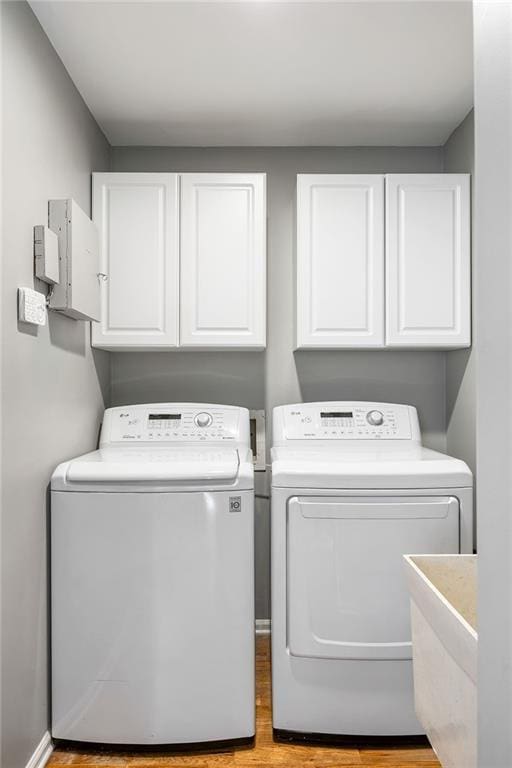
[(102, 276)]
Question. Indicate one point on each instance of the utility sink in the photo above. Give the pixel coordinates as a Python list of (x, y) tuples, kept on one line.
[(445, 641)]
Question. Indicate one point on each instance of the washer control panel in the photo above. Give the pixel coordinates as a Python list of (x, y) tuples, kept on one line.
[(347, 421), (159, 424)]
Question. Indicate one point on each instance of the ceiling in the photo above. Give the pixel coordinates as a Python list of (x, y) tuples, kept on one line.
[(264, 73)]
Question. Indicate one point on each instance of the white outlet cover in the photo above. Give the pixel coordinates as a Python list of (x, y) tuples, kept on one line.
[(31, 306)]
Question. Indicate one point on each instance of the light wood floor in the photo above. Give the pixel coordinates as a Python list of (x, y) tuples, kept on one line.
[(266, 752)]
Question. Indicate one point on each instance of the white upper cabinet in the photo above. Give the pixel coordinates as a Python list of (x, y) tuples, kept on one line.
[(205, 287), (223, 260), (428, 260), (343, 299), (137, 217), (340, 261)]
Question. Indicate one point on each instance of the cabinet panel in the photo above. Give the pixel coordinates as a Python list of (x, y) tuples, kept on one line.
[(428, 260), (222, 260), (137, 216), (340, 261)]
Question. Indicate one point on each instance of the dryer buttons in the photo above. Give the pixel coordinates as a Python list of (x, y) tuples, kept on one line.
[(375, 418)]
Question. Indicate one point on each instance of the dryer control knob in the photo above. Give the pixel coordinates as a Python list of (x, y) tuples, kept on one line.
[(375, 418), (203, 419)]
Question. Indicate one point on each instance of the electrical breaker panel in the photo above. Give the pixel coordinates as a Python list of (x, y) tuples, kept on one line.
[(78, 293)]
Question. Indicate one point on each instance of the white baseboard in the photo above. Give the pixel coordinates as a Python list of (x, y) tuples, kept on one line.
[(41, 753), (262, 626)]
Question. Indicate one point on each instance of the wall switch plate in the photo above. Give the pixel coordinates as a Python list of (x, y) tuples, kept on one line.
[(31, 306), (257, 426), (46, 254)]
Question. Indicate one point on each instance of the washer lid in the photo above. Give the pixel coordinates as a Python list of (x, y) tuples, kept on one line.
[(146, 467), (416, 467)]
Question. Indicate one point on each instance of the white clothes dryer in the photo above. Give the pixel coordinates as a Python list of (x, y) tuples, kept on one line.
[(152, 580), (353, 490)]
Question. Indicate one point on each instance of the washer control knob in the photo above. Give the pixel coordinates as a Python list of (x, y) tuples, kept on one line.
[(203, 419), (375, 418)]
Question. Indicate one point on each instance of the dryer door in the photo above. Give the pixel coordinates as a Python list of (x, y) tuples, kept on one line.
[(346, 590)]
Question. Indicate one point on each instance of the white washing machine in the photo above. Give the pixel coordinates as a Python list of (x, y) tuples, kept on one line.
[(353, 490), (152, 580)]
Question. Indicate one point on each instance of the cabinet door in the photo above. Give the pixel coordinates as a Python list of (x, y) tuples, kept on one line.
[(340, 261), (137, 217), (222, 260), (428, 260)]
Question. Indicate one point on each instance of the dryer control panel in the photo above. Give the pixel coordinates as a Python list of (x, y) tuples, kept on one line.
[(175, 423), (345, 421)]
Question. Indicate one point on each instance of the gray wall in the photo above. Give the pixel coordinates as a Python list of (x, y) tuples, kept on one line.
[(278, 375), (493, 321), (459, 157), (52, 385)]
